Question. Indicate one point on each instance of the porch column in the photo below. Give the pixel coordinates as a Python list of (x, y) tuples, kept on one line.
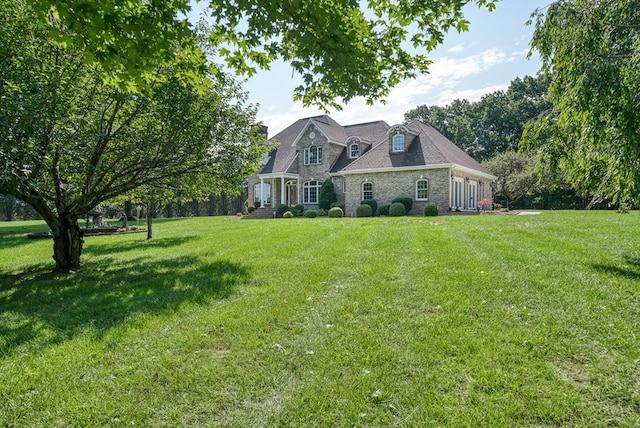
[(261, 193), (282, 191)]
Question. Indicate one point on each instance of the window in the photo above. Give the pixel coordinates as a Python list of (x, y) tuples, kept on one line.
[(398, 143), (457, 193), (354, 151), (258, 192), (367, 191), (422, 190), (473, 194), (313, 155), (310, 192)]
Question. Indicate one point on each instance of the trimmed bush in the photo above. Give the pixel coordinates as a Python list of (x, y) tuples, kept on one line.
[(322, 213), (336, 212), (406, 201), (372, 203), (298, 210), (288, 214), (397, 209), (311, 213), (327, 195), (251, 209), (364, 210), (431, 210), (383, 210), (281, 209), (339, 205)]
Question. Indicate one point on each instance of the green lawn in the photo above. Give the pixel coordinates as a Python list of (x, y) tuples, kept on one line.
[(519, 321)]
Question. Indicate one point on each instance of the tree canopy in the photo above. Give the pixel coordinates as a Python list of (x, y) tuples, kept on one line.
[(341, 48), (69, 142), (591, 50), (493, 124)]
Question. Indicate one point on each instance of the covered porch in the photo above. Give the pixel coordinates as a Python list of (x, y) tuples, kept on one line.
[(275, 189)]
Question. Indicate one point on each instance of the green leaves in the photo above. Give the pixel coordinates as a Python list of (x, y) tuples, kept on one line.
[(592, 52)]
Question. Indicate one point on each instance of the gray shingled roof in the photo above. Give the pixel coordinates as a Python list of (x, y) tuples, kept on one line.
[(429, 147)]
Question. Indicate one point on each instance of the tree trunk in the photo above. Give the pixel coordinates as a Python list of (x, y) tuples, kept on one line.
[(127, 209), (67, 243)]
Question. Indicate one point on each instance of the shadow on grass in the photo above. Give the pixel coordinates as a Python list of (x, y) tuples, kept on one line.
[(107, 247), (630, 269), (41, 309), (15, 234)]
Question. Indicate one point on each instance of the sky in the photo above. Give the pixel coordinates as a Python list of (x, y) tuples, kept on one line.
[(467, 65)]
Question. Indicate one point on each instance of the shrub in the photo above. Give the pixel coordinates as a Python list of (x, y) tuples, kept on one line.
[(311, 213), (383, 210), (397, 209), (406, 201), (288, 214), (251, 209), (327, 195), (298, 210), (431, 210), (322, 213), (372, 203), (364, 210), (337, 204), (336, 212), (281, 209)]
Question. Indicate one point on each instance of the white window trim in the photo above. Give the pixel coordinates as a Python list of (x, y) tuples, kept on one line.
[(307, 155), (472, 195), (393, 143), (305, 194), (427, 189), (351, 156), (371, 191), (453, 193)]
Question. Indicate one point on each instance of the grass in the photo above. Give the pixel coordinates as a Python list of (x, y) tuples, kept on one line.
[(409, 321)]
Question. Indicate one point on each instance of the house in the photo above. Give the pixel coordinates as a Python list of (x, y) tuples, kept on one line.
[(369, 161)]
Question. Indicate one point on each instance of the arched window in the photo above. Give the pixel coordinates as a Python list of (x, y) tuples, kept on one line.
[(313, 155), (354, 150), (367, 191), (422, 190), (310, 192), (398, 143)]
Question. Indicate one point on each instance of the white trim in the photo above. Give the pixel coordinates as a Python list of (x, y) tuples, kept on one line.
[(454, 206), (416, 190), (279, 175), (399, 168), (448, 166), (472, 171), (472, 197), (362, 198), (398, 128)]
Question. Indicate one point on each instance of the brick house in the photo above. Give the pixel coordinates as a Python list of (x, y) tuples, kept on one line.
[(369, 161)]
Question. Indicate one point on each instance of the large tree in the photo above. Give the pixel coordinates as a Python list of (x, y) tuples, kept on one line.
[(341, 48), (516, 175), (591, 49), (492, 125), (69, 142)]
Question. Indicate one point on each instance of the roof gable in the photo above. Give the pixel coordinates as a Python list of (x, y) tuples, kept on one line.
[(427, 147)]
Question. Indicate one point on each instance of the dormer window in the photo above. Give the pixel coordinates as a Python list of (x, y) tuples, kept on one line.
[(354, 150), (313, 155), (398, 143)]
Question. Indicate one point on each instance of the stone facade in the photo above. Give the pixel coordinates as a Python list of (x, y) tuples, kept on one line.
[(454, 181), (389, 185)]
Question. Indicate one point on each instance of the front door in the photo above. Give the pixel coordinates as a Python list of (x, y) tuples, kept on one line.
[(292, 193)]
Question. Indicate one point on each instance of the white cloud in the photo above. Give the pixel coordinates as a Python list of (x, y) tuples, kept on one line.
[(439, 87)]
